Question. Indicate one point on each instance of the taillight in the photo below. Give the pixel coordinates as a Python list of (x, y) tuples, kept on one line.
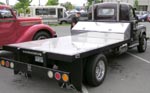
[(57, 76), (50, 74), (7, 64), (2, 62), (11, 65), (65, 77)]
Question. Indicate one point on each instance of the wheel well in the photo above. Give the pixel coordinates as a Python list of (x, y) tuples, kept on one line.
[(42, 30), (144, 33)]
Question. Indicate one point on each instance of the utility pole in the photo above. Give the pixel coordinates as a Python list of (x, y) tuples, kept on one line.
[(39, 3), (148, 5), (7, 2), (93, 2)]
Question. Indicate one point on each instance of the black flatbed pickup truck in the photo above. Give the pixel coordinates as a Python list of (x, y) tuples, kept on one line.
[(70, 60)]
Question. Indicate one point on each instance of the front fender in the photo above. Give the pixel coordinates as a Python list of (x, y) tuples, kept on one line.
[(31, 31), (142, 30)]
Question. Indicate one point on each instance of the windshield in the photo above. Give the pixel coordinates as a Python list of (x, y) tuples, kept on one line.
[(106, 12), (4, 13)]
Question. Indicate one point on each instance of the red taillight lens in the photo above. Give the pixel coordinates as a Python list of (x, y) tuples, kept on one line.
[(57, 76), (7, 64)]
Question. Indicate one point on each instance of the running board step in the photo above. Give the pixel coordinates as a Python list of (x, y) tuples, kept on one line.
[(134, 45)]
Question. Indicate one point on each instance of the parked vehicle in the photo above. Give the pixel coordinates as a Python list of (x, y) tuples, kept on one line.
[(71, 59), (49, 14), (68, 19), (15, 30), (148, 18), (143, 17)]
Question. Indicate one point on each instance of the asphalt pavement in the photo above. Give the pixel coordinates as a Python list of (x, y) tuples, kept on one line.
[(127, 73)]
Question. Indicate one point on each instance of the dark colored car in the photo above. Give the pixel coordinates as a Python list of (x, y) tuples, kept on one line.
[(143, 17), (148, 18), (84, 17)]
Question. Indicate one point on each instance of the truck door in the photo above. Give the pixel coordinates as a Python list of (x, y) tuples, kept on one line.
[(7, 27), (134, 32)]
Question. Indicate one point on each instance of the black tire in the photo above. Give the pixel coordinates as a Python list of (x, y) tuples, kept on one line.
[(63, 22), (142, 44), (41, 35), (16, 72), (91, 77), (28, 75)]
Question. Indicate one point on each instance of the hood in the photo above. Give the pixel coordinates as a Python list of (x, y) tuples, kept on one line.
[(29, 20)]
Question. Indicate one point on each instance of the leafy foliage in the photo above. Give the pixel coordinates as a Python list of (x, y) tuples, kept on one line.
[(52, 2), (1, 3), (22, 6), (68, 6), (96, 1), (136, 4)]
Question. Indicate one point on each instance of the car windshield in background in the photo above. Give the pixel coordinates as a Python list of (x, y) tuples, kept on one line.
[(106, 12)]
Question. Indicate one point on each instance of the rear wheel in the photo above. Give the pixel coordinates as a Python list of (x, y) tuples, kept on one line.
[(96, 70), (16, 72), (41, 35), (142, 44)]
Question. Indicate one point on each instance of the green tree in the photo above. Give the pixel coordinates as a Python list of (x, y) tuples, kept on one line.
[(52, 2), (1, 3), (22, 6), (68, 5), (136, 4), (96, 1)]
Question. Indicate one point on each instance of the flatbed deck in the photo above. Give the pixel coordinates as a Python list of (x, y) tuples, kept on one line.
[(68, 53), (81, 45), (71, 47)]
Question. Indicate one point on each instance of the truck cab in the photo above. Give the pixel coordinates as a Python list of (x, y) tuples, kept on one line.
[(14, 29), (107, 12)]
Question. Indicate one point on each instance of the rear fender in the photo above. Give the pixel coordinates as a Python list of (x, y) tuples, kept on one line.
[(30, 32)]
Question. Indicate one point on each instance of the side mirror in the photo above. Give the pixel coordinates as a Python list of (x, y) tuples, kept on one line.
[(136, 17), (134, 9)]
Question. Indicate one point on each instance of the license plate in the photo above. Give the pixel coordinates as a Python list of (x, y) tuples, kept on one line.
[(39, 59)]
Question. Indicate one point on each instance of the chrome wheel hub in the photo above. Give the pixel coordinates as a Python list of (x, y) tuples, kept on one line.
[(144, 44), (41, 37), (100, 70)]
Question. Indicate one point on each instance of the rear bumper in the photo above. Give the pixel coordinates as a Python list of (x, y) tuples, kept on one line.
[(74, 73), (33, 69)]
